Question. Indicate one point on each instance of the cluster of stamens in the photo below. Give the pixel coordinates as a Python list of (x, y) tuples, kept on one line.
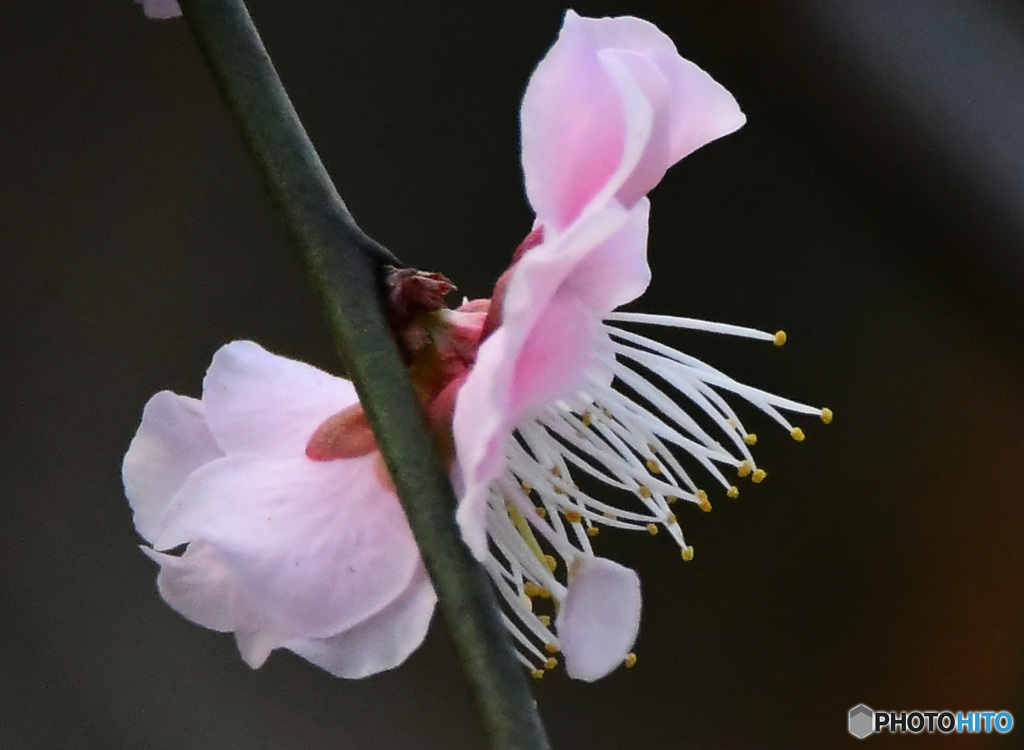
[(541, 520)]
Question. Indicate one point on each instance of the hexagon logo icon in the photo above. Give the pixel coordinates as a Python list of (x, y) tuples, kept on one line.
[(862, 721)]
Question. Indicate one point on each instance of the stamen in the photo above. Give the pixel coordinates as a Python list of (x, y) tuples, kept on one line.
[(630, 439)]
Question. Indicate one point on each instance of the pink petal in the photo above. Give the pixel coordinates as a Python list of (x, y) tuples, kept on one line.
[(600, 617), (583, 128), (160, 8), (380, 643), (255, 645), (609, 109), (615, 272), (199, 587), (555, 356), (697, 109), (261, 404), (317, 546), (172, 441), (546, 345), (701, 109)]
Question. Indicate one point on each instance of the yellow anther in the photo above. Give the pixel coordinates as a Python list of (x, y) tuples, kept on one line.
[(526, 487), (586, 418), (643, 491), (542, 512), (551, 663), (733, 492), (593, 531), (743, 469), (826, 415), (653, 466), (797, 434), (750, 438), (652, 528), (701, 495), (780, 338), (550, 562), (543, 593), (687, 553), (531, 589), (759, 475), (537, 674), (704, 504), (573, 516), (671, 499), (559, 491), (545, 620), (551, 648), (630, 661), (556, 472), (671, 518)]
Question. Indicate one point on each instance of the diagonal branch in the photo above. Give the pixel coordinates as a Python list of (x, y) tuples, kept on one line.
[(345, 268)]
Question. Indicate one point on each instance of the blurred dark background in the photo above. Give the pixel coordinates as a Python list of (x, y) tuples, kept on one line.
[(873, 207)]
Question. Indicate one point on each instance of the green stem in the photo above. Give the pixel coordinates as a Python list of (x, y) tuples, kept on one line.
[(345, 268)]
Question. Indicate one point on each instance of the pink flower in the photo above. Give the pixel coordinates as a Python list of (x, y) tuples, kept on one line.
[(160, 8), (607, 111), (284, 551), (291, 535)]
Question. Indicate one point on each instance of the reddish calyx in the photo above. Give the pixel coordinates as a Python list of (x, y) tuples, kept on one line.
[(439, 346), (493, 320)]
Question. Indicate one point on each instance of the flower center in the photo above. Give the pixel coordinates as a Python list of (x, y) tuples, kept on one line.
[(440, 347)]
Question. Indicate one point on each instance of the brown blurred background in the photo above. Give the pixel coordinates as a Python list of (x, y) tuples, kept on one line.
[(873, 207)]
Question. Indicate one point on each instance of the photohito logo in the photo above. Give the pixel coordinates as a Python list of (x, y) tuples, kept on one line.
[(864, 721)]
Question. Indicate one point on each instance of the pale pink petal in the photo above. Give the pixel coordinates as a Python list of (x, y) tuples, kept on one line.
[(318, 546), (599, 619), (640, 78), (615, 272), (255, 645), (584, 127), (172, 442), (701, 109), (546, 344), (381, 642), (160, 8), (555, 357), (698, 109), (609, 109), (542, 350), (262, 404), (199, 587)]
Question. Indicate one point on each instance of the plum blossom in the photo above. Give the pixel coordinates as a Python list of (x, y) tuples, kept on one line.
[(265, 504), (253, 537), (160, 8), (560, 389)]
